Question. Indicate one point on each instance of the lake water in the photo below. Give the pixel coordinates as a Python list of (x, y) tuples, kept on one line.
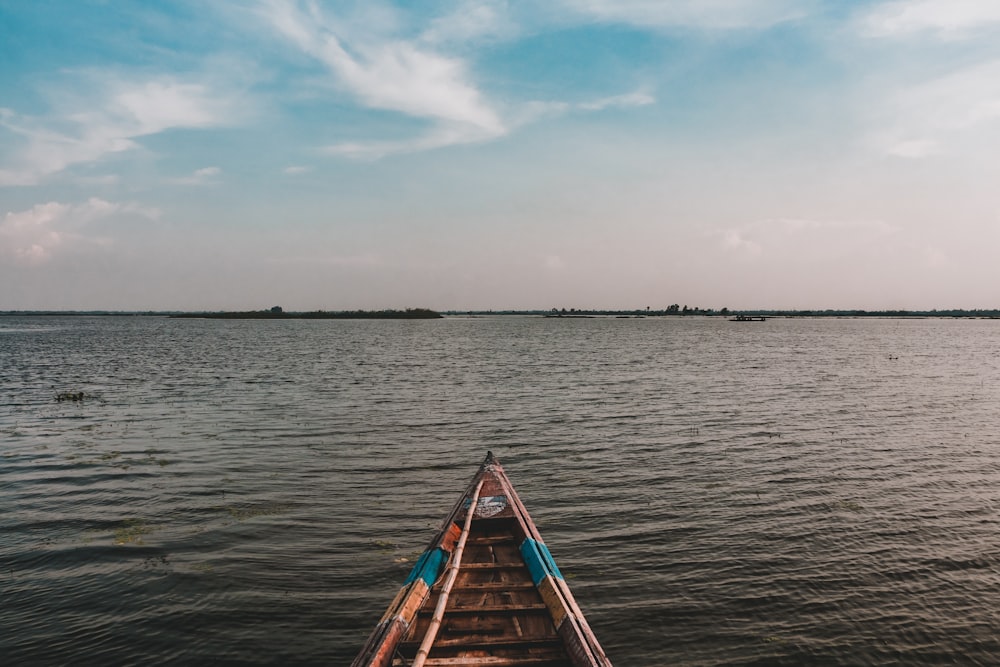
[(797, 491)]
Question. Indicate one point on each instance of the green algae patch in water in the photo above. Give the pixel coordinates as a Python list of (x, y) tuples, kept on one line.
[(131, 532), (384, 545)]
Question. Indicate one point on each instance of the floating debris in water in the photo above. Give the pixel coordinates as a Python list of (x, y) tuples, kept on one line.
[(131, 531), (153, 562), (241, 514), (848, 505), (71, 396)]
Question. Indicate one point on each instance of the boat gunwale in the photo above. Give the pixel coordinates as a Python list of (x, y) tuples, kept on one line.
[(572, 629)]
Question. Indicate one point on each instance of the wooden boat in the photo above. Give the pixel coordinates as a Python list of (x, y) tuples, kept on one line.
[(485, 592)]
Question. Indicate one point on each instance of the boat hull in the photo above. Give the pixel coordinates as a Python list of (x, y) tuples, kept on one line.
[(508, 603)]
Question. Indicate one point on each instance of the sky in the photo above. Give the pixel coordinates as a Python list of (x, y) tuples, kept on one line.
[(491, 154)]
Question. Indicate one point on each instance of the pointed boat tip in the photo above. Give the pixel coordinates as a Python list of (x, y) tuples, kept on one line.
[(490, 460)]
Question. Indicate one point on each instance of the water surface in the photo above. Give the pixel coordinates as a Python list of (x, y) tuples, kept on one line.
[(789, 492)]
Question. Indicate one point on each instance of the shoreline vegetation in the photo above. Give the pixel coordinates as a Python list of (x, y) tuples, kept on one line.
[(277, 313), (674, 311)]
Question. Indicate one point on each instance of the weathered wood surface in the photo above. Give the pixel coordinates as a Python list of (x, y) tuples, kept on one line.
[(492, 614), (507, 603)]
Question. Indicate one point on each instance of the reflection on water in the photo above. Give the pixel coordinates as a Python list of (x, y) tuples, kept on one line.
[(788, 492)]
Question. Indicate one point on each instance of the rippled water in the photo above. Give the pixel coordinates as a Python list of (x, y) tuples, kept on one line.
[(790, 492)]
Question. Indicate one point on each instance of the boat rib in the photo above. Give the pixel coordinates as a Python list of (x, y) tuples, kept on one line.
[(502, 603)]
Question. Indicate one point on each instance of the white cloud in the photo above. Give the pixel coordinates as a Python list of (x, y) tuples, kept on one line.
[(636, 99), (29, 236), (154, 106), (104, 119), (808, 239), (33, 236), (452, 134), (203, 176), (103, 180), (440, 137), (414, 77), (393, 75), (928, 118), (709, 14), (913, 148), (402, 78), (473, 21), (947, 18), (733, 239), (536, 110)]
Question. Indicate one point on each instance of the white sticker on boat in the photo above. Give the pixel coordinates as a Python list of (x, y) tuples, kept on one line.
[(488, 506)]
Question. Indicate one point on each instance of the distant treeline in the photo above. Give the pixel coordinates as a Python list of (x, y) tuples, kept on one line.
[(991, 313), (277, 313), (673, 311)]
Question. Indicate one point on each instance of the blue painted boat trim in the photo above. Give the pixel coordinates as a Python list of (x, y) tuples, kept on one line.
[(539, 561), (428, 566)]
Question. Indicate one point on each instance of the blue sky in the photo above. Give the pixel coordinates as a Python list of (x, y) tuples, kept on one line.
[(490, 154)]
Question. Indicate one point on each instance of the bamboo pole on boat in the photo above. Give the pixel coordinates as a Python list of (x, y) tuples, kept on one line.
[(453, 567)]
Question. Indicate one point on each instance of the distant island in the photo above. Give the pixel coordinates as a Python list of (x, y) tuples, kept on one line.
[(684, 311), (278, 313)]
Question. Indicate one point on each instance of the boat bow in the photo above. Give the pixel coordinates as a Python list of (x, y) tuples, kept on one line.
[(503, 600)]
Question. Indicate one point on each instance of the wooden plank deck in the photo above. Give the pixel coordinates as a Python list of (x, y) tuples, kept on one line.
[(495, 614)]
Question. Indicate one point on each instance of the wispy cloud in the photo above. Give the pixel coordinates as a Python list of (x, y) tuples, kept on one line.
[(103, 180), (930, 117), (535, 110), (517, 117), (295, 169), (636, 99), (734, 239), (473, 21), (803, 238), (946, 18), (373, 150), (34, 236), (910, 148), (705, 14), (203, 176), (393, 75), (105, 117), (416, 76)]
